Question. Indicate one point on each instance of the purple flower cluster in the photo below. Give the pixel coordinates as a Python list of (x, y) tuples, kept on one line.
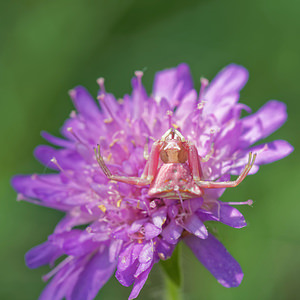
[(126, 230)]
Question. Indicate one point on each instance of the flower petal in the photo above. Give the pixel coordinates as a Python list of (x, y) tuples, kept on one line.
[(67, 159), (221, 212), (85, 103), (139, 283), (214, 256), (159, 217), (266, 154), (151, 231), (172, 232), (63, 282), (95, 274), (42, 254), (194, 225), (275, 150), (228, 82), (265, 121), (173, 84)]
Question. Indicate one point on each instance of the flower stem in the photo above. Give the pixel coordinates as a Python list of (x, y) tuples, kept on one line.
[(173, 291)]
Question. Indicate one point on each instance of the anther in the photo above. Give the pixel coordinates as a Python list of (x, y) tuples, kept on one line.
[(20, 197), (200, 105), (55, 162), (161, 256), (101, 98), (73, 114), (70, 129), (204, 83), (139, 75), (102, 207), (100, 82), (170, 115), (72, 94), (88, 229)]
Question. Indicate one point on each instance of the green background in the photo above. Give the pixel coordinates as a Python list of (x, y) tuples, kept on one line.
[(48, 47)]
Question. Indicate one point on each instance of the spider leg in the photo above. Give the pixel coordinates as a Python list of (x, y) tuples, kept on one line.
[(226, 184), (130, 180)]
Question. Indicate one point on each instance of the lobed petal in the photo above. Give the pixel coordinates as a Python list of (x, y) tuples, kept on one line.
[(265, 121), (151, 231), (223, 90), (275, 150), (173, 84), (139, 283), (94, 275), (84, 103), (42, 254), (195, 226), (67, 159), (266, 154), (172, 232), (214, 256), (221, 212)]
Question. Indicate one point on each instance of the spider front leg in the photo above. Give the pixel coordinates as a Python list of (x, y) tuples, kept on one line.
[(226, 184), (147, 176)]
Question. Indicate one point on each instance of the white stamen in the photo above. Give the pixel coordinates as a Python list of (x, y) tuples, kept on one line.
[(55, 162), (57, 268), (100, 81), (72, 94), (249, 202), (101, 98), (70, 129), (204, 83)]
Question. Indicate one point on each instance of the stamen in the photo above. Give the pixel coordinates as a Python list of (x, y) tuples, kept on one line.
[(57, 268), (119, 203), (102, 207), (161, 256), (55, 162), (70, 129), (176, 189), (200, 105), (73, 114), (204, 83), (21, 197), (101, 99), (100, 81), (265, 148), (139, 75), (170, 115), (249, 202), (113, 142), (146, 150), (72, 94)]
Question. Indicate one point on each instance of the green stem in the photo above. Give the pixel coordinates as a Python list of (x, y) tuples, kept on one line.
[(173, 292)]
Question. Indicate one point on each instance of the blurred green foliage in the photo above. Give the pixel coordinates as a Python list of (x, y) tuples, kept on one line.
[(48, 47)]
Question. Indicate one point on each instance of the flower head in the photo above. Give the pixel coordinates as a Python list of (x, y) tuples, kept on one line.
[(127, 230)]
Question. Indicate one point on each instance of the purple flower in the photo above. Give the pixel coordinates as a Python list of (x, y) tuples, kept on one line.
[(127, 231)]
